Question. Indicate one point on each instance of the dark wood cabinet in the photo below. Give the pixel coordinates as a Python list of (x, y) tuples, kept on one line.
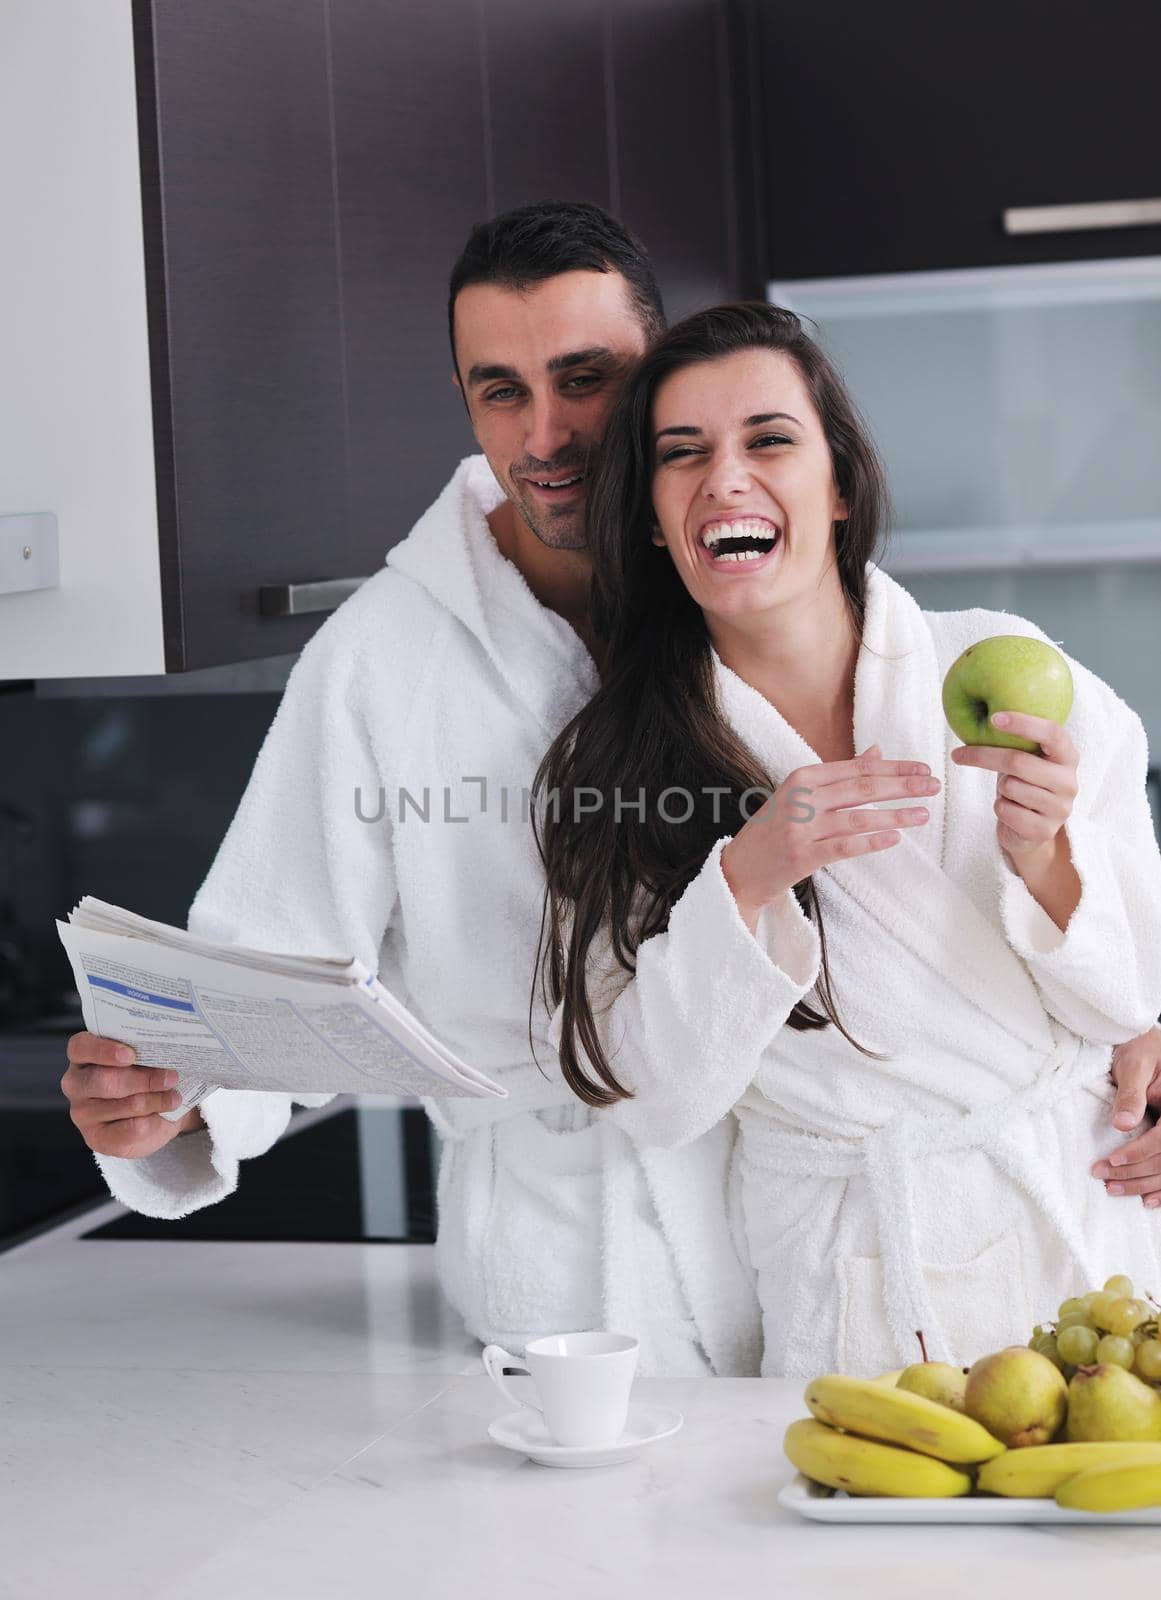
[(305, 173), (551, 125), (408, 89), (894, 137), (245, 316), (677, 182), (316, 169)]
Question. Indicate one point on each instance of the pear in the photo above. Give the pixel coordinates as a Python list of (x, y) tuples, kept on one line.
[(1018, 1395), (1106, 1402), (936, 1380)]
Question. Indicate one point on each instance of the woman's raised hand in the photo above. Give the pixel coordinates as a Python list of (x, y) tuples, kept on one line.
[(1034, 792), (809, 822)]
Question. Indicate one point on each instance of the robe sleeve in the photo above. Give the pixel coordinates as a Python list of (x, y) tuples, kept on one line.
[(686, 1033), (297, 871), (1101, 976)]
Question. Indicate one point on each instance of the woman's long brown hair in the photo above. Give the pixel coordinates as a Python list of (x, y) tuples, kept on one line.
[(655, 724)]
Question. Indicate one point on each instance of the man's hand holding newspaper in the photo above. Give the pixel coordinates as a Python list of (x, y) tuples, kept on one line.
[(196, 1016), (118, 1106)]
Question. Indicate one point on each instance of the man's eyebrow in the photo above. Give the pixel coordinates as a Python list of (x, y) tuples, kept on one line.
[(688, 432), (581, 358), (491, 372), (486, 374)]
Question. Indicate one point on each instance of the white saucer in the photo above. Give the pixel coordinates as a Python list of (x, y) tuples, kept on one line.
[(525, 1432)]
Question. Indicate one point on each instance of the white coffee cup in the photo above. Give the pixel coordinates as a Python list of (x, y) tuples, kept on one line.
[(583, 1381)]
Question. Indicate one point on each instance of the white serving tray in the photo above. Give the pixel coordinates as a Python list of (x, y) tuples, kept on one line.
[(811, 1500)]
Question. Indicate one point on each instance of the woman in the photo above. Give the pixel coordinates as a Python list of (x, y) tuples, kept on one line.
[(905, 968)]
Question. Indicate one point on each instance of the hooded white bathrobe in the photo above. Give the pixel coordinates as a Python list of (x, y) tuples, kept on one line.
[(947, 1187), (444, 676)]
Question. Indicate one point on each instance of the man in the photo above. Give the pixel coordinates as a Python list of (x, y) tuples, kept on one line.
[(435, 691), (387, 818)]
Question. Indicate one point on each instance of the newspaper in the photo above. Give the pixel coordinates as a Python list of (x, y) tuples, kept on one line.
[(231, 1017)]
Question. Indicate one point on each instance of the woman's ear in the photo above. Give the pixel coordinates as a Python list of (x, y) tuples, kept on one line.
[(841, 511), (656, 535)]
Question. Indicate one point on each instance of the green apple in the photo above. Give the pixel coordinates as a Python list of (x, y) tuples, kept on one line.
[(1006, 673)]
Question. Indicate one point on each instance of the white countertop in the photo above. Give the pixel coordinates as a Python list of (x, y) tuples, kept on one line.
[(195, 1421)]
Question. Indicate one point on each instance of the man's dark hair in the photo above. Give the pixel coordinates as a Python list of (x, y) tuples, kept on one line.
[(541, 241)]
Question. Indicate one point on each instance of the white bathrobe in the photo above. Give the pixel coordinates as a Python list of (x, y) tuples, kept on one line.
[(946, 1188), (444, 674)]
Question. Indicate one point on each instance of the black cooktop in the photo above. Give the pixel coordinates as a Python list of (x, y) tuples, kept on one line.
[(308, 1189)]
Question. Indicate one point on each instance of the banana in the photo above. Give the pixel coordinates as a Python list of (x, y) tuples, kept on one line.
[(1113, 1488), (1037, 1471), (860, 1466), (861, 1405), (890, 1379)]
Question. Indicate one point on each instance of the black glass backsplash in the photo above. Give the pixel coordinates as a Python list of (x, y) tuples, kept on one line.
[(123, 798)]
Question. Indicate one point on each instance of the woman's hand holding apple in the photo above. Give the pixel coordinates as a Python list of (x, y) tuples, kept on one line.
[(1034, 793), (807, 823)]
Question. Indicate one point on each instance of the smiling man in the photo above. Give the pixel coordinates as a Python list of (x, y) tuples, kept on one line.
[(539, 418), (447, 676)]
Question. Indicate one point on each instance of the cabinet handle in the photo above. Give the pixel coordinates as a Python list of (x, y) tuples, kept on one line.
[(296, 599), (1068, 219)]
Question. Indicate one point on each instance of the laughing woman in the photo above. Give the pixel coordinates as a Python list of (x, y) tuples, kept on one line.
[(776, 886)]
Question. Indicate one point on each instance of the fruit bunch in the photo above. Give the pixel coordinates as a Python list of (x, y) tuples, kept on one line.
[(1106, 1325), (870, 1437), (1076, 1416)]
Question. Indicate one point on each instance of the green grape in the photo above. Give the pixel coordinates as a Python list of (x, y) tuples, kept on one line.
[(1074, 1319), (1112, 1348), (1147, 1361), (1124, 1315), (1067, 1307), (1102, 1303), (1120, 1285), (1048, 1348), (1077, 1345)]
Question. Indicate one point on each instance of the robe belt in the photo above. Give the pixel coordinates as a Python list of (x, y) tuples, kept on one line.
[(886, 1158)]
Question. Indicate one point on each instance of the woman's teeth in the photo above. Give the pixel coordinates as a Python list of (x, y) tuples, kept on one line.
[(740, 541)]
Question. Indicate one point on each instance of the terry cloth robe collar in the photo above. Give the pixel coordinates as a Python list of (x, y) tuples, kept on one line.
[(898, 705), (536, 653)]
